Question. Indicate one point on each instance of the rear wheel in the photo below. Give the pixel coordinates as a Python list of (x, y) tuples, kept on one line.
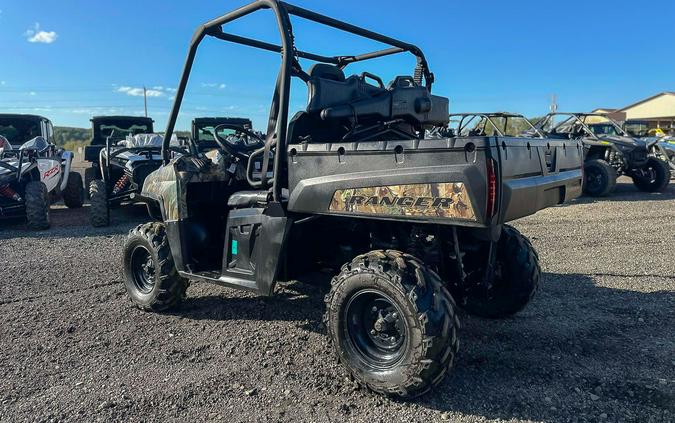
[(653, 177), (599, 178), (37, 205), (99, 212), (392, 323), (515, 280), (73, 195), (90, 174), (150, 276)]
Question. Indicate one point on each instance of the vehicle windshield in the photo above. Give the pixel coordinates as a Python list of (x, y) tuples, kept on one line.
[(601, 125), (205, 133), (636, 128), (120, 130), (204, 136), (603, 129), (17, 131)]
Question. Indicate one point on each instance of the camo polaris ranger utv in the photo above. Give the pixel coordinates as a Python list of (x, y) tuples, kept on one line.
[(609, 152), (353, 178)]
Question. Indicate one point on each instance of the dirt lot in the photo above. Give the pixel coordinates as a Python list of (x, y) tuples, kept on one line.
[(597, 343)]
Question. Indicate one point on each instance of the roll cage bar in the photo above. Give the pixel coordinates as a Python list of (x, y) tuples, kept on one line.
[(290, 66), (468, 117), (581, 118)]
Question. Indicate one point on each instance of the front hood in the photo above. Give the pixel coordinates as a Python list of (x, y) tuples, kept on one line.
[(622, 141)]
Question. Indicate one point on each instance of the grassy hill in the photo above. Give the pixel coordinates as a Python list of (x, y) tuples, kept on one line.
[(71, 138)]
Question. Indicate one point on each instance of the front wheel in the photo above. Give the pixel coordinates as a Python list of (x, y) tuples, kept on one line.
[(653, 177), (37, 205), (73, 195), (150, 276), (392, 323), (599, 178), (514, 283), (99, 211), (90, 174)]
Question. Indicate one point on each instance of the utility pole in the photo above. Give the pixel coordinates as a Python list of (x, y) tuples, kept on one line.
[(145, 100), (554, 104)]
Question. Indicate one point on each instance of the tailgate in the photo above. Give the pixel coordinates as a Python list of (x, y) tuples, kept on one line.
[(536, 173)]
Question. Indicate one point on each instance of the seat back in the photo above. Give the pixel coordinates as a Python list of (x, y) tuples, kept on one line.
[(328, 87)]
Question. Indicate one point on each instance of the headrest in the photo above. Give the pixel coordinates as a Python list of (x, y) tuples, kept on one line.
[(325, 71)]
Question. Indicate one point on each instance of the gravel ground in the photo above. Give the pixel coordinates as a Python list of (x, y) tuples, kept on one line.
[(597, 343)]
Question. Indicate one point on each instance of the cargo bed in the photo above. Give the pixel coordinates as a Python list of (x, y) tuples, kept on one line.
[(442, 181)]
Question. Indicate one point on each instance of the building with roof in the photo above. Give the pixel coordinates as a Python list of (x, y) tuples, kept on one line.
[(657, 111)]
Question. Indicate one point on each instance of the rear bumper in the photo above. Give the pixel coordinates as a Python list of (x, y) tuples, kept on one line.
[(525, 196), (12, 211)]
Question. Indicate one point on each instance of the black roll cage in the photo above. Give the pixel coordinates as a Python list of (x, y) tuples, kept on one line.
[(581, 118), (19, 154), (488, 117), (278, 118)]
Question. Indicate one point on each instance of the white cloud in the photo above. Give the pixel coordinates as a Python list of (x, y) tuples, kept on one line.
[(32, 93), (213, 85), (3, 82), (36, 35), (138, 92)]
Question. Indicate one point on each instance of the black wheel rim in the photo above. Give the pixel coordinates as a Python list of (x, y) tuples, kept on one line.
[(594, 180), (649, 174), (376, 329), (142, 269)]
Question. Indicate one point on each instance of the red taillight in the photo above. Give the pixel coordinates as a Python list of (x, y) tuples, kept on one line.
[(491, 189)]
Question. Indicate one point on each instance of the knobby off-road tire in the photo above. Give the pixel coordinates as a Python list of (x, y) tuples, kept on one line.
[(37, 205), (599, 178), (150, 276), (392, 323), (89, 175), (661, 176), (73, 195), (515, 282), (99, 212)]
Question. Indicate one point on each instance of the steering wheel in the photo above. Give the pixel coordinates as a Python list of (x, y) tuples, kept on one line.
[(241, 152)]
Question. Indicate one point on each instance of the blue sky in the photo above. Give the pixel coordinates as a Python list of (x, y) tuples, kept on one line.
[(71, 59)]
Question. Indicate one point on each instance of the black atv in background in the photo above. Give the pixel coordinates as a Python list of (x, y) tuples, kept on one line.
[(116, 128), (609, 152), (123, 152)]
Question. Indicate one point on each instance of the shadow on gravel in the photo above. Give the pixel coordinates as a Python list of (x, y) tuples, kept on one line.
[(626, 191), (298, 301), (598, 345), (75, 223)]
